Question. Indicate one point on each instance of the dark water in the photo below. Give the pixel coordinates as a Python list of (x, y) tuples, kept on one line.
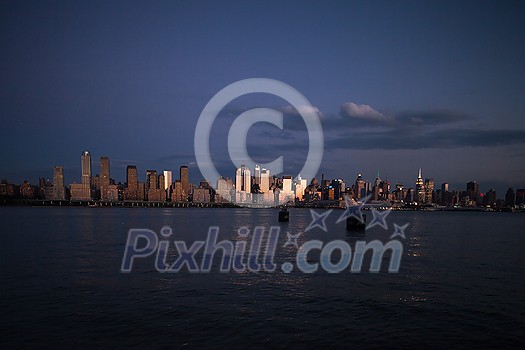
[(461, 284)]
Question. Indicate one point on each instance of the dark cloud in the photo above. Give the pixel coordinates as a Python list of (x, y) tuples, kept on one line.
[(433, 117), (355, 115), (447, 138), (361, 127)]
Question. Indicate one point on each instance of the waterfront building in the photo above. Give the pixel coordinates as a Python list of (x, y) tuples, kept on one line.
[(429, 191), (82, 191), (86, 171), (176, 196), (108, 191), (185, 182), (510, 198), (59, 191), (132, 190), (420, 189)]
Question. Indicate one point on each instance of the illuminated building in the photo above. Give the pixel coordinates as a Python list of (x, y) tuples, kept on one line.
[(59, 192), (185, 182)]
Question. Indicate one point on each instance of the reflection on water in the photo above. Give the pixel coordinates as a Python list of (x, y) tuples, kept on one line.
[(461, 276)]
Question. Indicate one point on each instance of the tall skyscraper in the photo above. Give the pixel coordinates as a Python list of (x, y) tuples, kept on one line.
[(376, 190), (243, 185), (156, 192), (104, 171), (132, 177), (152, 179), (490, 198), (264, 186), (149, 173), (168, 179), (257, 175), (420, 188), (108, 192), (86, 170), (243, 179), (429, 190), (510, 198), (162, 183), (82, 191), (132, 190), (176, 196), (473, 191), (300, 186), (247, 181), (185, 182), (239, 183), (360, 190), (59, 192)]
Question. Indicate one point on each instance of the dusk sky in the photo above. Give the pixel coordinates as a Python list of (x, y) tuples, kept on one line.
[(399, 85)]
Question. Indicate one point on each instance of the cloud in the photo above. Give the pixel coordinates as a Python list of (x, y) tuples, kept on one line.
[(302, 109), (364, 112), (364, 115), (431, 117), (407, 139), (362, 127)]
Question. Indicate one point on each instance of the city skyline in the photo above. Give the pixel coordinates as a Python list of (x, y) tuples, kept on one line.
[(433, 84), (260, 187), (195, 178)]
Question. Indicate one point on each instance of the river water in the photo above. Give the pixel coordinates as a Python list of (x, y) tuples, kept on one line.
[(460, 284)]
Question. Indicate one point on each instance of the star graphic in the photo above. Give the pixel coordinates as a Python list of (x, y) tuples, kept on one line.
[(379, 218), (292, 240), (318, 220), (399, 231), (353, 210)]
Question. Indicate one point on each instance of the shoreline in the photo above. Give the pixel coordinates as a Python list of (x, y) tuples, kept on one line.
[(147, 204)]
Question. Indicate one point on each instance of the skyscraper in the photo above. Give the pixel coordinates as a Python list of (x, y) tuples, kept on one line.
[(510, 198), (155, 184), (108, 192), (257, 175), (162, 182), (149, 173), (59, 192), (176, 196), (473, 191), (490, 198), (287, 184), (376, 190), (104, 172), (287, 194), (132, 190), (243, 180), (185, 182), (360, 190), (420, 189), (429, 190), (132, 178), (86, 170), (152, 179), (168, 179), (243, 185), (239, 183), (82, 191), (264, 186), (300, 186)]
